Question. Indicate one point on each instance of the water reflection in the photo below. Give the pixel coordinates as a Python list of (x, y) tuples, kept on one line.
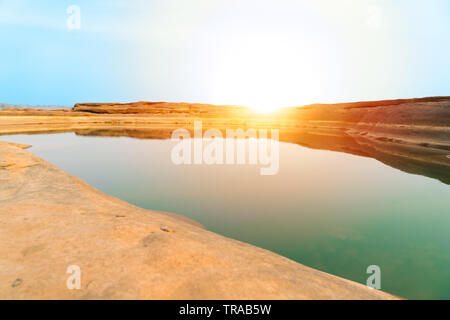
[(416, 159)]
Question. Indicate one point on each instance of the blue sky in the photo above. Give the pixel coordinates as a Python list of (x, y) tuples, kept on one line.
[(250, 52)]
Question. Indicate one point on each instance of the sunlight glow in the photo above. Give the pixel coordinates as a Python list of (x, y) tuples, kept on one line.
[(264, 108), (266, 74)]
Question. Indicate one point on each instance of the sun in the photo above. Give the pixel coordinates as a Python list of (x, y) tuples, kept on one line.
[(266, 74), (265, 108)]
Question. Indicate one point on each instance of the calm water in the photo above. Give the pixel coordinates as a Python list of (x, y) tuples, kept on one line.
[(331, 211)]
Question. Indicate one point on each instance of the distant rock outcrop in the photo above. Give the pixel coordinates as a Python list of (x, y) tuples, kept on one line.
[(431, 111), (158, 108), (14, 107)]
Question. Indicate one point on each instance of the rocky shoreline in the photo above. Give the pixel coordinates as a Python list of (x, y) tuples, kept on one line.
[(50, 220)]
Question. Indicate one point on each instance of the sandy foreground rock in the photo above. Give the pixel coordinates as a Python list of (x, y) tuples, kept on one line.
[(50, 220)]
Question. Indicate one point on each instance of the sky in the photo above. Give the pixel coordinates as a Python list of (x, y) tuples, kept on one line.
[(263, 54)]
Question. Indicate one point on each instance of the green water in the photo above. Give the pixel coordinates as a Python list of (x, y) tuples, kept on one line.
[(331, 211)]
